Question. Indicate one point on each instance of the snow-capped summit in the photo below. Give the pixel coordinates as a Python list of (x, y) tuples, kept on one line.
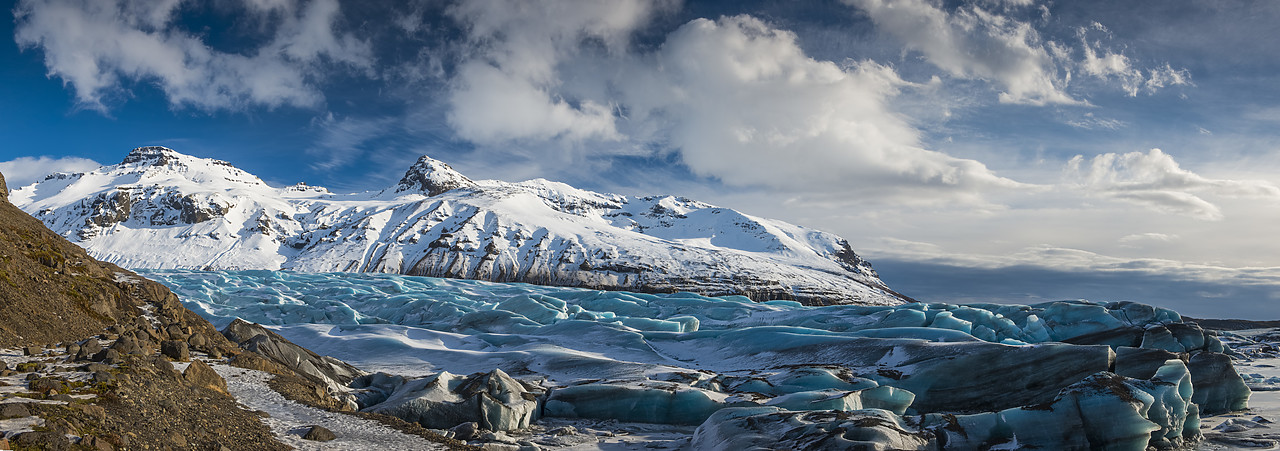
[(151, 155), (432, 177), (162, 209)]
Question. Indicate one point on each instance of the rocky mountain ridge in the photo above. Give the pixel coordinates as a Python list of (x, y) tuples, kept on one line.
[(161, 209)]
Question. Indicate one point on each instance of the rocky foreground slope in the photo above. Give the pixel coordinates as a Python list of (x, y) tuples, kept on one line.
[(97, 351), (57, 303), (161, 209)]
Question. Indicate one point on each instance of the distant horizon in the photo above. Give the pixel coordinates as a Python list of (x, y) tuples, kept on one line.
[(1013, 149)]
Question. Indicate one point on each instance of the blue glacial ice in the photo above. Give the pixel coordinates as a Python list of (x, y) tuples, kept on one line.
[(950, 376)]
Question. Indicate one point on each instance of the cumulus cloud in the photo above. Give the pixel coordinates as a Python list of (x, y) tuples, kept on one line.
[(97, 46), (26, 170), (1153, 179), (509, 88), (973, 42), (1103, 63), (749, 107), (736, 98)]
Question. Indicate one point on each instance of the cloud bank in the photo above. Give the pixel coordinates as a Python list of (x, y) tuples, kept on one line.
[(24, 171), (1154, 180), (736, 98)]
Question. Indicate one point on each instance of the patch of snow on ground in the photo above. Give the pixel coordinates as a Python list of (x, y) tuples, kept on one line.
[(289, 420)]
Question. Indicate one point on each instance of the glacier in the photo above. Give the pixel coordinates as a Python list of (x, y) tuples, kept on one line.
[(773, 374), (159, 208)]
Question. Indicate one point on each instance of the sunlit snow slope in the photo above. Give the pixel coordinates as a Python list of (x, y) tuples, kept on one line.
[(162, 209)]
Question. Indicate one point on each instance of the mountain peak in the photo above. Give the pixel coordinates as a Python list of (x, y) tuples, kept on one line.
[(153, 155), (163, 162), (432, 177)]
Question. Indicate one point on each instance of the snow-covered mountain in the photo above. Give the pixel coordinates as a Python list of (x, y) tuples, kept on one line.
[(162, 209)]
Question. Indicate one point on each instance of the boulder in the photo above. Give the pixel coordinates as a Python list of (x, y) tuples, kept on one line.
[(14, 410), (198, 341), (259, 340), (94, 411), (41, 440), (108, 356), (46, 385), (94, 442), (164, 366), (89, 349), (465, 431), (319, 434), (201, 375), (127, 345), (176, 350)]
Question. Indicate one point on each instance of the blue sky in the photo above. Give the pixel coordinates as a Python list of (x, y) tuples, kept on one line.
[(1017, 150)]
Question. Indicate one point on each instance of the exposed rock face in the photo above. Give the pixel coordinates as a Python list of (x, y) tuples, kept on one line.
[(332, 373), (150, 155), (200, 375), (161, 209), (432, 177)]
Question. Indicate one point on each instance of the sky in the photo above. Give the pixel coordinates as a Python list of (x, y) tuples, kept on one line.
[(973, 151)]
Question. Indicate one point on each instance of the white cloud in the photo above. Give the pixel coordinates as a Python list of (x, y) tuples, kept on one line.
[(310, 35), (736, 98), (492, 106), (975, 43), (96, 46), (746, 105), (26, 170), (509, 88), (1155, 180), (1106, 64)]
